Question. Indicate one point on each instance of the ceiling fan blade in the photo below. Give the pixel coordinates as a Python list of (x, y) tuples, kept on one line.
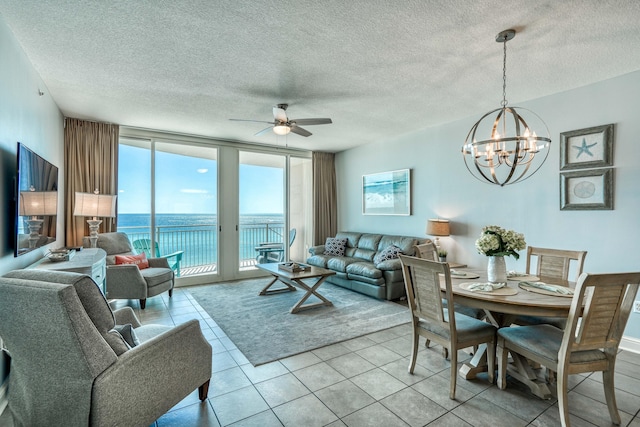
[(280, 115), (300, 131), (308, 122), (255, 121), (263, 131)]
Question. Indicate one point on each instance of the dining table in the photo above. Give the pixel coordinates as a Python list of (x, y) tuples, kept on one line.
[(501, 307)]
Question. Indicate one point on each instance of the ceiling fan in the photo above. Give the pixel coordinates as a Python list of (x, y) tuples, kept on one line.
[(282, 125)]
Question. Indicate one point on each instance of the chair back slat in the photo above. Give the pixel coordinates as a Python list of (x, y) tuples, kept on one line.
[(555, 264), (422, 283), (426, 250), (606, 310)]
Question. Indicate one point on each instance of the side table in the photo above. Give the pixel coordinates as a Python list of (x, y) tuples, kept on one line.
[(89, 261)]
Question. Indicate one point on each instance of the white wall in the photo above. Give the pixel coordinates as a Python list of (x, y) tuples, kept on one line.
[(35, 121), (441, 185)]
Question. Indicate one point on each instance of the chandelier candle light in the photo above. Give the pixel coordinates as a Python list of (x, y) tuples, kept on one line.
[(509, 150), (497, 243)]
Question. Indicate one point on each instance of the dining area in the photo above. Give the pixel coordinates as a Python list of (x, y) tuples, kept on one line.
[(533, 329)]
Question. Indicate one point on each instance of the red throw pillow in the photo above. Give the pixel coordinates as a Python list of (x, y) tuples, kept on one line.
[(139, 260)]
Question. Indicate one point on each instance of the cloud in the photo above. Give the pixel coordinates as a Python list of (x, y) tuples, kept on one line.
[(193, 191), (203, 170)]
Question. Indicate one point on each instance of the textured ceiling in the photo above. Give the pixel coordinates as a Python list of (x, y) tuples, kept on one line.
[(378, 68)]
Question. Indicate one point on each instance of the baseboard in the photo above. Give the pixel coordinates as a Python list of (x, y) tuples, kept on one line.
[(630, 344), (4, 397)]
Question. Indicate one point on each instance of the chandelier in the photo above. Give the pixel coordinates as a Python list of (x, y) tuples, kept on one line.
[(509, 150)]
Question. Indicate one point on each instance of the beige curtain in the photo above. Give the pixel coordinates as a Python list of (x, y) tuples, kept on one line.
[(91, 162), (325, 205)]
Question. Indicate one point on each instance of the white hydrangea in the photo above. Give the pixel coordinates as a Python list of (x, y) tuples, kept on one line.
[(496, 241)]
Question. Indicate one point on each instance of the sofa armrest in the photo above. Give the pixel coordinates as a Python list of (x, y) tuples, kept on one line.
[(390, 264), (152, 377), (159, 262), (316, 250), (126, 315)]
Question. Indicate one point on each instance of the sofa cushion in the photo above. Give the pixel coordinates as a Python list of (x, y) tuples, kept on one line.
[(365, 254), (341, 263), (390, 252), (352, 238), (364, 269), (335, 246), (156, 276), (390, 264), (370, 241), (404, 243), (319, 260)]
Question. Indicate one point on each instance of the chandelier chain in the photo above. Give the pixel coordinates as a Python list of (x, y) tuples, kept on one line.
[(504, 74)]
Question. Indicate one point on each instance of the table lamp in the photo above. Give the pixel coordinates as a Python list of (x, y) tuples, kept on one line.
[(35, 204), (94, 205), (438, 228)]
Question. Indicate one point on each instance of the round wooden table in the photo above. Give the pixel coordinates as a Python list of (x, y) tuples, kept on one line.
[(500, 311)]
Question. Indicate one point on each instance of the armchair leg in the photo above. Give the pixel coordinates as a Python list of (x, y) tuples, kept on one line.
[(170, 292), (143, 303), (203, 390)]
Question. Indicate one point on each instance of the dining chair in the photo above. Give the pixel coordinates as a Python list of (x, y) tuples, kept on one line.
[(430, 319), (552, 265), (589, 342), (426, 250)]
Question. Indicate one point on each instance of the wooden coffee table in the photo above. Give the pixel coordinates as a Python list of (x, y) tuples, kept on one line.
[(296, 279)]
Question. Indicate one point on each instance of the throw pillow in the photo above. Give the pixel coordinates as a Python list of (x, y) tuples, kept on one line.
[(128, 334), (334, 246), (139, 260), (390, 252)]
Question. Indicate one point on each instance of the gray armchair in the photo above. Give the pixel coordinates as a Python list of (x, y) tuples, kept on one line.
[(70, 366), (127, 281)]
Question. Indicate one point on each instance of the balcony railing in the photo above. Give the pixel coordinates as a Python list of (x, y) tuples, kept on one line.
[(199, 243)]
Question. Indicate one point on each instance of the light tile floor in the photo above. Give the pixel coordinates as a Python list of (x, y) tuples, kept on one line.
[(364, 382)]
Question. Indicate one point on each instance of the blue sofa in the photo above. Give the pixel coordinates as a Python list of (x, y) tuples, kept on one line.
[(356, 270)]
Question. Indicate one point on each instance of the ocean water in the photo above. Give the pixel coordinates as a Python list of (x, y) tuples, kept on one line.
[(196, 234)]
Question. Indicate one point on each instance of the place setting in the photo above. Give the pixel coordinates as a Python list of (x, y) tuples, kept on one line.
[(489, 288), (546, 288)]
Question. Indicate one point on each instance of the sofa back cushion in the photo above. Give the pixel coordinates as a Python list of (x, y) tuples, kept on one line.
[(405, 243)]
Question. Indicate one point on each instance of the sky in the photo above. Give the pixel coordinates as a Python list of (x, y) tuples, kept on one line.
[(189, 184)]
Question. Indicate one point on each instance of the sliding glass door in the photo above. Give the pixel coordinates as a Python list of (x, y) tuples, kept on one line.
[(217, 209)]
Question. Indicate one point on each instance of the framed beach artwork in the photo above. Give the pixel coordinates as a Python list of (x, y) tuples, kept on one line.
[(587, 190), (387, 193), (587, 148)]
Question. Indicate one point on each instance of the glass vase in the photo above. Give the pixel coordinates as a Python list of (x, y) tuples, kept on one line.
[(497, 269)]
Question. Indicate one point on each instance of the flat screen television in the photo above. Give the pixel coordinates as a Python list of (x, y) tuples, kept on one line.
[(36, 201)]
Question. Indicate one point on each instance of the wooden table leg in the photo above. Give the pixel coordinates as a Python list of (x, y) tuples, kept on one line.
[(267, 291), (521, 370), (310, 291), (477, 364)]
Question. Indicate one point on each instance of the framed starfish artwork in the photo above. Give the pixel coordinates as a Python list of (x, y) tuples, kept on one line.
[(587, 148)]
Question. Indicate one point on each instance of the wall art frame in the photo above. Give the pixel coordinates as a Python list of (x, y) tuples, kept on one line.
[(587, 189), (387, 193), (587, 148)]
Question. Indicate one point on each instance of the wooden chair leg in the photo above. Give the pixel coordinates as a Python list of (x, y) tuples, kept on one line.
[(610, 394), (454, 372), (426, 343), (503, 356), (563, 403), (414, 352), (203, 391), (143, 303)]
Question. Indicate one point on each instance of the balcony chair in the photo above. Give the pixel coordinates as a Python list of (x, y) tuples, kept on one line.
[(152, 250), (588, 343), (273, 251), (69, 365), (430, 319), (127, 281)]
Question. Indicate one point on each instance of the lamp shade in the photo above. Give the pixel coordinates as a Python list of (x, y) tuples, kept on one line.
[(38, 203), (95, 205), (438, 227), (281, 129)]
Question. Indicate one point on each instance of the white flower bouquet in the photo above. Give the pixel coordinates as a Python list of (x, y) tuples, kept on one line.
[(496, 241)]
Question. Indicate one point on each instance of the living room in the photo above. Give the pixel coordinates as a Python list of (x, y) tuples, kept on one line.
[(440, 184)]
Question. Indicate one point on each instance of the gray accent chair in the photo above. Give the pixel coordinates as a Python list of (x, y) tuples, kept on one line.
[(127, 281), (70, 367)]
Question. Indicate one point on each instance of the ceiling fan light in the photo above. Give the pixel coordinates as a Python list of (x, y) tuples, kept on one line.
[(281, 129)]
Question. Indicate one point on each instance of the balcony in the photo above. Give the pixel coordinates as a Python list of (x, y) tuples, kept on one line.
[(200, 243)]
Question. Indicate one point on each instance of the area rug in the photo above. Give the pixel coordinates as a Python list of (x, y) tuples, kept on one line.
[(264, 330)]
